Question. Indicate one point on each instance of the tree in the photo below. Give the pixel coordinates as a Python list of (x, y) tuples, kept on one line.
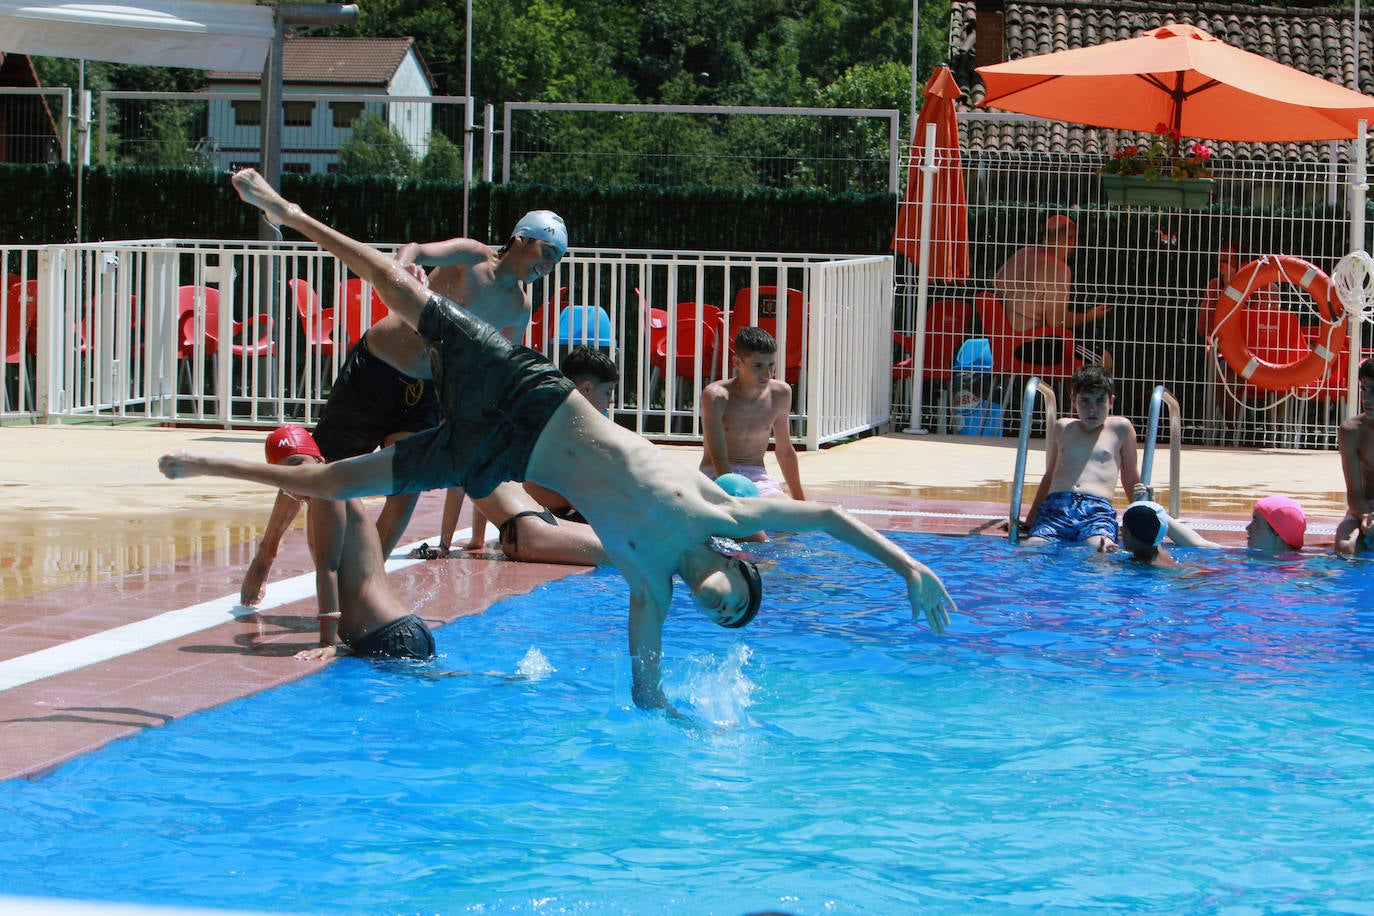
[(375, 148)]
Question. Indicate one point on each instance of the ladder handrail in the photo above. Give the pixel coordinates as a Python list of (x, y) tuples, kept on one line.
[(1018, 483), (1160, 397)]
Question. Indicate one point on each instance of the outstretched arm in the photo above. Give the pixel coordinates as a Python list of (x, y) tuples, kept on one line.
[(366, 475), (284, 512), (463, 252), (401, 292), (924, 589), (648, 610)]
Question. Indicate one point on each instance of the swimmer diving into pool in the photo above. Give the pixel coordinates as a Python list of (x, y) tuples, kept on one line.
[(510, 417)]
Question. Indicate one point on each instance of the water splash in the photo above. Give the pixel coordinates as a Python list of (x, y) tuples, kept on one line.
[(718, 689), (535, 665)]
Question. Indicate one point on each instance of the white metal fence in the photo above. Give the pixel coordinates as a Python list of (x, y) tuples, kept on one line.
[(1159, 269), (247, 333)]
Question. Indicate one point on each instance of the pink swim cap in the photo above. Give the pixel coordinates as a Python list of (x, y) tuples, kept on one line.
[(1286, 517)]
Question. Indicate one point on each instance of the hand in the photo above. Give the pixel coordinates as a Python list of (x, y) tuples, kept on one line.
[(475, 544), (928, 596), (416, 271), (177, 465), (1142, 492), (254, 582), (318, 653)]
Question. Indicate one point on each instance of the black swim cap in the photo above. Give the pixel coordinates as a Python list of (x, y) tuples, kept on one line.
[(748, 570)]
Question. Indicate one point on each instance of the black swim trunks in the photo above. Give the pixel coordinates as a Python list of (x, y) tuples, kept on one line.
[(406, 637), (496, 397), (510, 531), (372, 400)]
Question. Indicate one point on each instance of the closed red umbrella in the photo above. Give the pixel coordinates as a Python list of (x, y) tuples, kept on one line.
[(949, 217)]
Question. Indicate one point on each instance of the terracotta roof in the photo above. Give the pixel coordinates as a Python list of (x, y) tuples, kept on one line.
[(337, 61), (1319, 41)]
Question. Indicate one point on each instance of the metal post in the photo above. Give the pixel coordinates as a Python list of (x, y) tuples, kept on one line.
[(468, 124), (1359, 190), (918, 355)]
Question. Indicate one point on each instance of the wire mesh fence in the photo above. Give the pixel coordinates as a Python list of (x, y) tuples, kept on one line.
[(839, 150), (1065, 271)]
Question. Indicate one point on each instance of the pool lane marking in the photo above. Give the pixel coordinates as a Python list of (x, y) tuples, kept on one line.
[(1200, 524), (144, 634)]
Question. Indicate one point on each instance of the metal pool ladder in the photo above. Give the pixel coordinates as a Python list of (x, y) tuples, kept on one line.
[(1033, 387), (1159, 398)]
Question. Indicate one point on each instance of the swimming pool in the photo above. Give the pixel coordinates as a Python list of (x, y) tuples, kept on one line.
[(1090, 734)]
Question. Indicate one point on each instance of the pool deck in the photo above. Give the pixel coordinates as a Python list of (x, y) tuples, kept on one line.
[(118, 589)]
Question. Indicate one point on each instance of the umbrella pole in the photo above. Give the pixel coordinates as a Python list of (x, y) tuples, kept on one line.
[(1359, 188), (918, 358)]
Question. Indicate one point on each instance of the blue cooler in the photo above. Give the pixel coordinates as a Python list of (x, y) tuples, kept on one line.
[(977, 411)]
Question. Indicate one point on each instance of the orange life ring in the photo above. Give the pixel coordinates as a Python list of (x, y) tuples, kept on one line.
[(1228, 324)]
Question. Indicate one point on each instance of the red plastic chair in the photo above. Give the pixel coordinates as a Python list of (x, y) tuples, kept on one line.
[(348, 299), (792, 353), (21, 319), (676, 345), (947, 325), (1005, 342), (712, 317), (318, 326), (198, 324), (542, 321), (21, 338)]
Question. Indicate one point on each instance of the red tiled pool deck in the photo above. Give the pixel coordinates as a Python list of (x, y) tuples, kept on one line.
[(118, 589)]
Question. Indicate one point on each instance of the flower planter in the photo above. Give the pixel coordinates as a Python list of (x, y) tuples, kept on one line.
[(1139, 191)]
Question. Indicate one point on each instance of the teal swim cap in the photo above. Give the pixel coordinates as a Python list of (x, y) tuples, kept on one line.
[(546, 226), (737, 485)]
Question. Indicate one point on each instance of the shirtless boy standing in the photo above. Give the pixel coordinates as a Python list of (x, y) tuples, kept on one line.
[(1073, 503), (1355, 440), (740, 413), (509, 416)]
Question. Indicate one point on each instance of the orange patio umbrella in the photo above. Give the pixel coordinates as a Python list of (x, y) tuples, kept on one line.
[(949, 217), (1183, 77)]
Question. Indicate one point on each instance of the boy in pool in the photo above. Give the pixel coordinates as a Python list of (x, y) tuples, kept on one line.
[(384, 390), (1277, 525), (356, 603), (1073, 503), (1355, 440), (509, 416), (740, 413)]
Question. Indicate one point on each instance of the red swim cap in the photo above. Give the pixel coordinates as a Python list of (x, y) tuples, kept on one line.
[(288, 440)]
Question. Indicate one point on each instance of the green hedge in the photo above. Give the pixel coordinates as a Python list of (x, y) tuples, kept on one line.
[(135, 202)]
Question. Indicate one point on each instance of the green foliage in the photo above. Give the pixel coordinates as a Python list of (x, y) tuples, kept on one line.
[(190, 203), (374, 147), (443, 160)]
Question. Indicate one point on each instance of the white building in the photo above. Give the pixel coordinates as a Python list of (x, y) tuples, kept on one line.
[(327, 83)]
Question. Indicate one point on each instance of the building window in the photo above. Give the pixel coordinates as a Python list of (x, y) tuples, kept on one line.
[(297, 168), (247, 114), (297, 114), (345, 113)]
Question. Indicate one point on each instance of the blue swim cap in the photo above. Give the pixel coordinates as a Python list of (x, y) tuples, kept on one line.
[(737, 485), (546, 226)]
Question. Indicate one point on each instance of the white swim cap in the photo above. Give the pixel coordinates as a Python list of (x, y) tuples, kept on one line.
[(546, 226)]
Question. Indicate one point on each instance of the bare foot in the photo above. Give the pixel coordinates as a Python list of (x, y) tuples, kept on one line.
[(177, 465), (255, 190)]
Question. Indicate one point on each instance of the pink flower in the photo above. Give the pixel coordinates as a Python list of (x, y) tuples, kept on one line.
[(1201, 151)]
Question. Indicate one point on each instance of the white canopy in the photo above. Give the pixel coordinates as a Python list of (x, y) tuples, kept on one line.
[(204, 34)]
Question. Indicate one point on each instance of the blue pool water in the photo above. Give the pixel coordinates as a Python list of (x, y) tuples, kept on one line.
[(1088, 735)]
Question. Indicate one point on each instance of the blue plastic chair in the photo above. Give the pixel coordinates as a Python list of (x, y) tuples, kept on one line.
[(585, 326)]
